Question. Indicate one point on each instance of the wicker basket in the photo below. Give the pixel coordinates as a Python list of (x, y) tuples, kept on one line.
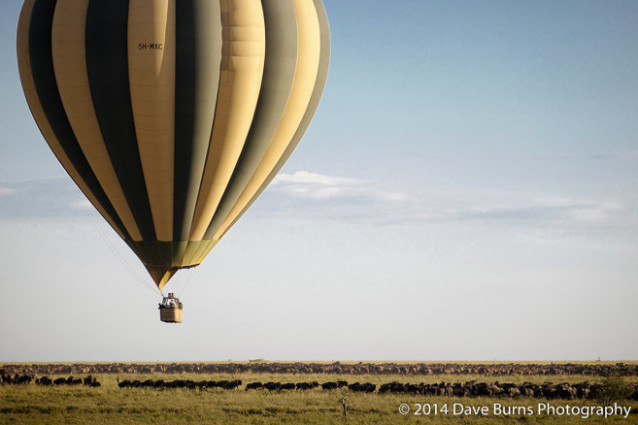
[(171, 315)]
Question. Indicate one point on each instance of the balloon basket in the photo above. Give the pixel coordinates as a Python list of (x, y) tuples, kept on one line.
[(171, 309)]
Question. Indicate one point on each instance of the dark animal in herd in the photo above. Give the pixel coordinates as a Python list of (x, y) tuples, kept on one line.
[(303, 386), (334, 385), (362, 388), (254, 386)]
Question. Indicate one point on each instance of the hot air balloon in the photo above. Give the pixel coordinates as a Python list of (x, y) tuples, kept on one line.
[(172, 116)]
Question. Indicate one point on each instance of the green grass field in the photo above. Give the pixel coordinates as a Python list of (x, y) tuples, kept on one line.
[(34, 404)]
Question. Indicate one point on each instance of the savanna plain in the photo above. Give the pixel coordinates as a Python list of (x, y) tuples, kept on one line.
[(221, 393)]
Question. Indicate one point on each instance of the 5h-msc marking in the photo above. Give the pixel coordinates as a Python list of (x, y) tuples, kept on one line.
[(150, 46)]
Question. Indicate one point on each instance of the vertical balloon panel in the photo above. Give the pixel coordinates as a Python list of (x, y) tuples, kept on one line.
[(69, 60), (151, 64), (34, 48), (242, 68)]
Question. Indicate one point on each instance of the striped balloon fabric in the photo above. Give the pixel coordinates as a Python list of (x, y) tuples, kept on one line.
[(172, 116)]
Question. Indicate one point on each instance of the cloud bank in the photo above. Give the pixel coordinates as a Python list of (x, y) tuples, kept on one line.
[(319, 196), (312, 196), (41, 199)]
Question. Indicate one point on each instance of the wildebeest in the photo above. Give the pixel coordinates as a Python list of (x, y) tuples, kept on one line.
[(566, 391), (329, 386), (513, 392), (495, 389), (272, 386), (366, 388), (287, 386), (393, 387), (44, 380), (460, 390), (303, 386), (230, 385), (254, 386)]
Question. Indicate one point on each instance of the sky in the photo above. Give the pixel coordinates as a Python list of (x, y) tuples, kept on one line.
[(466, 191)]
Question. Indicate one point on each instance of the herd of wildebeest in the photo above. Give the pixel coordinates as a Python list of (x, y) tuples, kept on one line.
[(583, 390), (16, 379), (333, 368), (25, 374)]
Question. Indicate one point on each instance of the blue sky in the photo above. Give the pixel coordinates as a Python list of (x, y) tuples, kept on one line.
[(467, 190)]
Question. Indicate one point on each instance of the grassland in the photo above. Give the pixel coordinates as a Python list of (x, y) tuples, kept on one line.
[(108, 404)]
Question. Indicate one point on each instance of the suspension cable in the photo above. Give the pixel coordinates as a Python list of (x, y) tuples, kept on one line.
[(132, 271), (191, 273)]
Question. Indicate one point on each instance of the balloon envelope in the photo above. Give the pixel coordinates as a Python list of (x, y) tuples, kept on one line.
[(172, 116)]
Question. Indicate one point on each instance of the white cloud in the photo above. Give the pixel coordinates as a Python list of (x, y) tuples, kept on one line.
[(41, 199), (5, 191), (317, 196), (544, 210), (617, 155), (305, 177), (623, 155), (629, 154), (82, 204), (304, 184)]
